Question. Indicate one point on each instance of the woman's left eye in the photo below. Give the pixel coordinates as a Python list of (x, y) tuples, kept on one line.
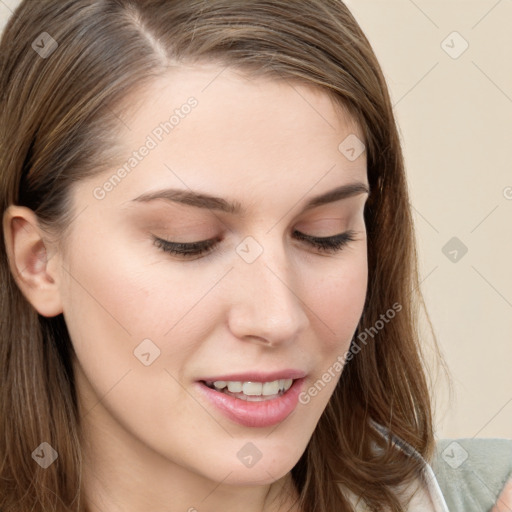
[(330, 244)]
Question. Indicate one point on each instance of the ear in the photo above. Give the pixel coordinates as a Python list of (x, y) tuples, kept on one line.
[(28, 251)]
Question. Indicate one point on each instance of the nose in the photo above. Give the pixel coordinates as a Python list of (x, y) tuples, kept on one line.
[(266, 304)]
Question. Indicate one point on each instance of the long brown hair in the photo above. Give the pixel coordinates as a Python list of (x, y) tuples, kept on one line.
[(55, 119)]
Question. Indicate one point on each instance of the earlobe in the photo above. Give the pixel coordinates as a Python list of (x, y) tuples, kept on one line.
[(31, 264)]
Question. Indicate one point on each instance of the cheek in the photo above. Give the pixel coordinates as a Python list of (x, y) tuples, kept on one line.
[(123, 311), (337, 298), (129, 295), (114, 300)]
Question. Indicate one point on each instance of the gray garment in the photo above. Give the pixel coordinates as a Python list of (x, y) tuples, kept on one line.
[(472, 472), (465, 475)]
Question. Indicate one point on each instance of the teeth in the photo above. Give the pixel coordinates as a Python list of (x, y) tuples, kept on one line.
[(234, 387), (270, 388), (254, 388)]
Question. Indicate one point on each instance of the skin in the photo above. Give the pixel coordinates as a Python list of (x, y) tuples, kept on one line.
[(504, 503), (151, 442)]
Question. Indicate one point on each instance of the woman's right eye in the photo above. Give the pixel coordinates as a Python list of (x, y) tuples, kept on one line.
[(185, 249)]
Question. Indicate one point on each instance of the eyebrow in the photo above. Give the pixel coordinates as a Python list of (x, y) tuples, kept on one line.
[(200, 200)]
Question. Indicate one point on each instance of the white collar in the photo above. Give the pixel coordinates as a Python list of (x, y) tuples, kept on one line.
[(432, 489)]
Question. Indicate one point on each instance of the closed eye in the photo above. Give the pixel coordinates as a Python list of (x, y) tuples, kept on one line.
[(329, 245)]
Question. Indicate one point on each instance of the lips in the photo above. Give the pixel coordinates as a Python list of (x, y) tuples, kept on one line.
[(257, 376), (256, 399)]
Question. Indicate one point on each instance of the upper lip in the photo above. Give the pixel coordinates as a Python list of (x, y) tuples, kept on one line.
[(257, 376)]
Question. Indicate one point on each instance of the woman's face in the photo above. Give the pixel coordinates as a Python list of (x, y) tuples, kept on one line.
[(261, 310)]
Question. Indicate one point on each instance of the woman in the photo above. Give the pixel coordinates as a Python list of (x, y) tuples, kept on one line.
[(210, 279)]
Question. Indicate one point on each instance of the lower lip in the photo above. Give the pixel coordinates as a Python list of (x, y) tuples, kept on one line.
[(264, 413)]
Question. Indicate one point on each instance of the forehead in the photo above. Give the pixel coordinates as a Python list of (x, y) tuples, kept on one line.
[(231, 102), (216, 129)]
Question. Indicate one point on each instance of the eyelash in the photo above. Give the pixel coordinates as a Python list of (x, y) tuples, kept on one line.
[(330, 245)]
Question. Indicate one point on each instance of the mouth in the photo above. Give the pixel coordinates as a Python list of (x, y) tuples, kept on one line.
[(253, 400), (251, 391)]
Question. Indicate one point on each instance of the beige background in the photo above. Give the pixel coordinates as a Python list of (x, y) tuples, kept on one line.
[(455, 119)]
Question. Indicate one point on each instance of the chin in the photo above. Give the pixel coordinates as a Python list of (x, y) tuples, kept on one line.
[(255, 463), (261, 474)]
